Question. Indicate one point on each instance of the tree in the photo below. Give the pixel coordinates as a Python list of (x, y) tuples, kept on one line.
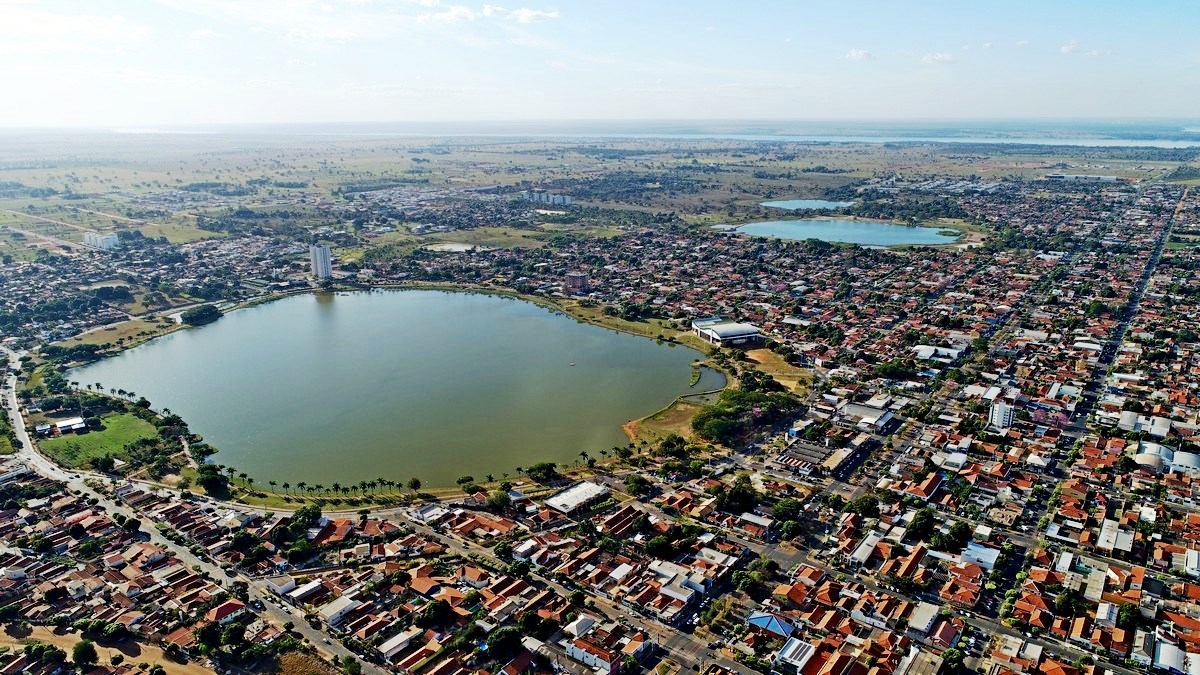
[(435, 613), (504, 642), (1128, 616), (637, 484), (953, 658), (499, 500), (198, 316), (866, 506), (414, 484), (209, 634), (519, 569), (542, 472), (787, 509), (84, 655)]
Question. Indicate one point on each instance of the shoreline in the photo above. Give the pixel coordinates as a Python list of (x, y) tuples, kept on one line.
[(966, 235), (564, 306)]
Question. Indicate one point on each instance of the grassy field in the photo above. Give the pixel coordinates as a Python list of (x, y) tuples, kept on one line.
[(492, 237), (674, 419), (78, 449), (132, 331), (654, 328), (795, 379)]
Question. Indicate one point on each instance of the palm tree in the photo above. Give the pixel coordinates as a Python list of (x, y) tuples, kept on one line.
[(301, 486), (286, 486), (519, 471), (272, 484), (337, 487), (490, 478)]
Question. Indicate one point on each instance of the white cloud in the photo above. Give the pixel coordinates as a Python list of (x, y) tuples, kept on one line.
[(1070, 48), (858, 55), (1098, 52), (452, 14), (521, 14), (205, 34), (986, 45), (30, 31), (1022, 43), (938, 59)]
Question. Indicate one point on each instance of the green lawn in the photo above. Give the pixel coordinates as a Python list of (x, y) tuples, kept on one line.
[(78, 449)]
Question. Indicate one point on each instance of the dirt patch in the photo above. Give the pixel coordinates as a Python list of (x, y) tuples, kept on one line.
[(794, 379), (297, 663), (132, 651)]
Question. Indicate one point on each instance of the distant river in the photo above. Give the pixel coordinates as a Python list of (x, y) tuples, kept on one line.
[(397, 384), (864, 232)]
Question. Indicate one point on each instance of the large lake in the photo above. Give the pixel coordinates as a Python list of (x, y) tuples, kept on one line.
[(864, 232), (397, 384)]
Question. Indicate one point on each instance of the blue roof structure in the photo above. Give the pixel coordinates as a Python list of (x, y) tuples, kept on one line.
[(771, 624)]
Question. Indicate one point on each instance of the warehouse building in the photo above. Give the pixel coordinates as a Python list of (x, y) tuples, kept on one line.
[(724, 333)]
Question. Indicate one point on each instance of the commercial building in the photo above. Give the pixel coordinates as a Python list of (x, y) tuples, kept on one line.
[(546, 198), (576, 284), (724, 333), (577, 496), (1001, 415), (101, 241), (320, 261)]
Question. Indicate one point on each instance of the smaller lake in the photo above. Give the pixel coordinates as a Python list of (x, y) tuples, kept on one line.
[(863, 232), (806, 204)]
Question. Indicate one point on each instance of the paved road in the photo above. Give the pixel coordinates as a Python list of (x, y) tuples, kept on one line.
[(79, 482), (74, 226), (46, 237)]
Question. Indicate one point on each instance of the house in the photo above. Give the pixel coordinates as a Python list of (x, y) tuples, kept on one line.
[(333, 612), (398, 643), (226, 612)]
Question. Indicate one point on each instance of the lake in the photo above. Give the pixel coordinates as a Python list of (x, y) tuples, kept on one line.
[(397, 384), (864, 232), (806, 204)]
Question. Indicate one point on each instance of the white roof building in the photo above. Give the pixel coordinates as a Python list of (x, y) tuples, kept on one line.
[(577, 496)]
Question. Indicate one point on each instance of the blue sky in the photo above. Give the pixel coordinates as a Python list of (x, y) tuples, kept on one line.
[(148, 62)]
